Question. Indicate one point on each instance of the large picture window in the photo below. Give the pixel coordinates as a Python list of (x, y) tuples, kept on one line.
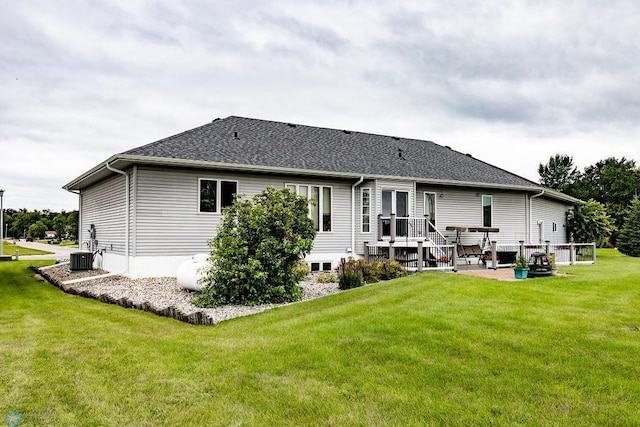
[(320, 203), (366, 210), (216, 194), (487, 211)]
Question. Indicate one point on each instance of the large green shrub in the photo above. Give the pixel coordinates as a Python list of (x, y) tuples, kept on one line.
[(589, 222), (256, 250), (629, 237)]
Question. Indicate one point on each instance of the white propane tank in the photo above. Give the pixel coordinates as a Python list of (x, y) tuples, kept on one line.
[(190, 272)]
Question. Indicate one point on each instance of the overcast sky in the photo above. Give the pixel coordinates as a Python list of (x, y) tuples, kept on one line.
[(510, 82)]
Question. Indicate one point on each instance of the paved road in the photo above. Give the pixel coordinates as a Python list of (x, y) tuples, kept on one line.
[(59, 252)]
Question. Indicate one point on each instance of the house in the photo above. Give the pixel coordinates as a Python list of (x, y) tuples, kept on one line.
[(147, 210), (49, 234)]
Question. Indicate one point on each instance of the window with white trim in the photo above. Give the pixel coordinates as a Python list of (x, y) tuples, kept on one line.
[(214, 195), (366, 210), (320, 203), (487, 211)]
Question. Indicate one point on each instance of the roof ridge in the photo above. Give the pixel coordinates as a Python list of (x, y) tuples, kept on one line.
[(272, 143), (397, 138), (336, 129)]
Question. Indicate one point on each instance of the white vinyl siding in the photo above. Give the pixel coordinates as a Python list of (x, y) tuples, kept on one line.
[(104, 205), (546, 213), (463, 207), (168, 221)]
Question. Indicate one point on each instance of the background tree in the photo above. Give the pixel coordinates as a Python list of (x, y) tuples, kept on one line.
[(613, 182), (37, 230), (589, 223), (20, 221), (258, 245), (59, 225), (559, 173), (72, 225), (629, 236)]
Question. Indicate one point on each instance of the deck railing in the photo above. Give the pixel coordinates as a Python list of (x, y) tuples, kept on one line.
[(417, 258), (430, 256), (565, 253), (395, 228)]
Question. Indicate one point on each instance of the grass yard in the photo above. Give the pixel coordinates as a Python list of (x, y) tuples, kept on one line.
[(433, 349), (10, 249)]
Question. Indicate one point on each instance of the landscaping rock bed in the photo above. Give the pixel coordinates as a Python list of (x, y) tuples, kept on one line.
[(162, 295)]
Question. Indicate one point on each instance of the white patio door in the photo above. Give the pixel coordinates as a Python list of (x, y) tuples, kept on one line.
[(430, 208), (396, 201)]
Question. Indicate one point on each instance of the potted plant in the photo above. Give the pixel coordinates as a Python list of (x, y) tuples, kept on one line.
[(521, 267)]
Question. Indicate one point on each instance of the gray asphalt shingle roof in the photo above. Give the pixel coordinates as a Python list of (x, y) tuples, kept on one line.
[(253, 142)]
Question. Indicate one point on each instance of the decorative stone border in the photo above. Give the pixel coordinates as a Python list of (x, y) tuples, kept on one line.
[(197, 318)]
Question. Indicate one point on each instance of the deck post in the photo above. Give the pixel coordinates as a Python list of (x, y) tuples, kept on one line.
[(420, 255), (392, 227), (454, 255), (494, 255), (547, 244), (367, 255), (379, 226), (572, 253), (392, 252), (521, 247)]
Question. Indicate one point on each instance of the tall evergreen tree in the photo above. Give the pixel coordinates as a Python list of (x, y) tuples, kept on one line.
[(629, 236)]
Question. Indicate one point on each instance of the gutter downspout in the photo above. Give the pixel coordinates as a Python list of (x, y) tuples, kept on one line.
[(127, 215), (353, 214), (531, 214)]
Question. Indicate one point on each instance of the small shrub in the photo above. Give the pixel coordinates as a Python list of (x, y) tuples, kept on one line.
[(353, 265), (371, 273), (350, 274), (388, 270), (301, 271), (326, 278), (349, 279)]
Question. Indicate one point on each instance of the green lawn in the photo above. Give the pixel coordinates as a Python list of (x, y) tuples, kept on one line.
[(10, 249), (433, 349)]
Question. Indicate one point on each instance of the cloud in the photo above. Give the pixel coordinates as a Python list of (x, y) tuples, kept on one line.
[(83, 81)]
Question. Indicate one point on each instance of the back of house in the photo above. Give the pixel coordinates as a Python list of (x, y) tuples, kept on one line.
[(147, 210)]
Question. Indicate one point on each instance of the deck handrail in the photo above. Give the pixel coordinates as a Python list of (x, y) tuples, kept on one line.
[(565, 253), (394, 227)]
